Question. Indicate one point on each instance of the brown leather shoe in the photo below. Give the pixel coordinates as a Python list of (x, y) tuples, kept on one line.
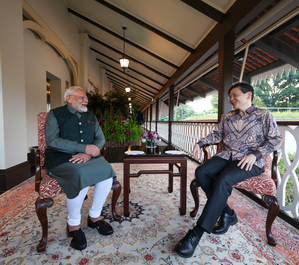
[(103, 227)]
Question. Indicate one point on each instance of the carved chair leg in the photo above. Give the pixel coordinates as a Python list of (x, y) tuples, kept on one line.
[(116, 187), (41, 206), (271, 203), (194, 190)]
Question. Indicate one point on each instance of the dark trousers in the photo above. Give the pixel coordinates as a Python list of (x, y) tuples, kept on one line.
[(217, 177)]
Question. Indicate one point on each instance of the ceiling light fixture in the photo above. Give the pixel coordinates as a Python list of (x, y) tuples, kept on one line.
[(124, 61)]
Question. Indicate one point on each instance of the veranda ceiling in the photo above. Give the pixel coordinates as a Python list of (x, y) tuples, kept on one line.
[(173, 42)]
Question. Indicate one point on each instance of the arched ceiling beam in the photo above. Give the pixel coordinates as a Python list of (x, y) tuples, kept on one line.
[(129, 57), (147, 26), (206, 9), (130, 68), (122, 38)]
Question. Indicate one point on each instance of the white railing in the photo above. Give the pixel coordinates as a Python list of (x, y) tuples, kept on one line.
[(186, 134), (289, 179), (163, 130)]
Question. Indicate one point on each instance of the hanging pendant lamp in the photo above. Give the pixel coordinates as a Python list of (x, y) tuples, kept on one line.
[(124, 61)]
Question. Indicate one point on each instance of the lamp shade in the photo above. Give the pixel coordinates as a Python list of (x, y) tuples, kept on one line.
[(124, 62), (128, 89)]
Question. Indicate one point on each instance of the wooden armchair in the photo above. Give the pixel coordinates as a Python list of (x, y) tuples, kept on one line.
[(264, 184), (48, 187)]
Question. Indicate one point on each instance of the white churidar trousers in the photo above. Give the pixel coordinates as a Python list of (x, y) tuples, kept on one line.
[(101, 191)]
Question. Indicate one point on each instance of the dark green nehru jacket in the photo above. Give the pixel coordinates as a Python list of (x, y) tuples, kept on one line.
[(72, 128)]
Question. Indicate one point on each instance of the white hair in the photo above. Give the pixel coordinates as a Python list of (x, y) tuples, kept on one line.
[(70, 91)]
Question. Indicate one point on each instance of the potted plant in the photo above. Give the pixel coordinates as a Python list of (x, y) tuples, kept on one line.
[(150, 138), (118, 122)]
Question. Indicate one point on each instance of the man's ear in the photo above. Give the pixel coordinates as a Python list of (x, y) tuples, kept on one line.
[(249, 94), (69, 99)]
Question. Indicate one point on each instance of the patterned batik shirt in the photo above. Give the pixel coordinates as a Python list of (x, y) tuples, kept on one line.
[(255, 132)]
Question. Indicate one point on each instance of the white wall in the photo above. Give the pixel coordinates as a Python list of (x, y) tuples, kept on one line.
[(12, 89), (39, 58), (54, 13)]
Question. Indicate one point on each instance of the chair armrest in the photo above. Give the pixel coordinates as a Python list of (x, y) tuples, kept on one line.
[(274, 168), (38, 176), (205, 152)]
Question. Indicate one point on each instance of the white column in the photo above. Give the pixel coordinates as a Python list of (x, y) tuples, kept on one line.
[(83, 65), (13, 133)]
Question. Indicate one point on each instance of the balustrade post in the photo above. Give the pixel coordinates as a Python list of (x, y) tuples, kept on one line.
[(157, 113), (170, 111)]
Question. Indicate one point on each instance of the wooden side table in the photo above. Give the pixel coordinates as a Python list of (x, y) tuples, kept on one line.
[(156, 156)]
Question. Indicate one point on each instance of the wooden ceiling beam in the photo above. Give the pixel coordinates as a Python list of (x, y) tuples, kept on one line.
[(122, 38), (129, 57), (269, 67), (206, 9), (120, 89), (198, 93), (285, 27), (279, 50), (208, 83), (186, 96), (127, 74), (147, 26), (123, 87), (130, 68), (123, 80), (239, 13)]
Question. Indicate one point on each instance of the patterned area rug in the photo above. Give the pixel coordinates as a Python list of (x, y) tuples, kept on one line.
[(148, 236)]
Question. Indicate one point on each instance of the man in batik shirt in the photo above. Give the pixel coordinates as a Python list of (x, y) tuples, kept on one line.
[(249, 135)]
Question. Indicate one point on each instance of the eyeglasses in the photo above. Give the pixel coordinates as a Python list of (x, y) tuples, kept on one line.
[(81, 96), (233, 95)]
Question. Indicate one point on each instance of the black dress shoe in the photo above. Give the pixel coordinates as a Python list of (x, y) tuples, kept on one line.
[(78, 238), (185, 248), (103, 227), (224, 223)]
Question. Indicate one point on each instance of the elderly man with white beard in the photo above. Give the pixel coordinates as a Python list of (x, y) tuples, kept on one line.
[(74, 140)]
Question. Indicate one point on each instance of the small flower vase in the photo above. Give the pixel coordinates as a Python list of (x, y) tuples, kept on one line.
[(151, 144)]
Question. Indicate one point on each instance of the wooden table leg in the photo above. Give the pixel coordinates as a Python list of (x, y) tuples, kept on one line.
[(170, 179), (183, 187), (126, 188)]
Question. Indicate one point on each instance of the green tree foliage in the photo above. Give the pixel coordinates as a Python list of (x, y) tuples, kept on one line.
[(182, 112), (281, 92), (214, 101)]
